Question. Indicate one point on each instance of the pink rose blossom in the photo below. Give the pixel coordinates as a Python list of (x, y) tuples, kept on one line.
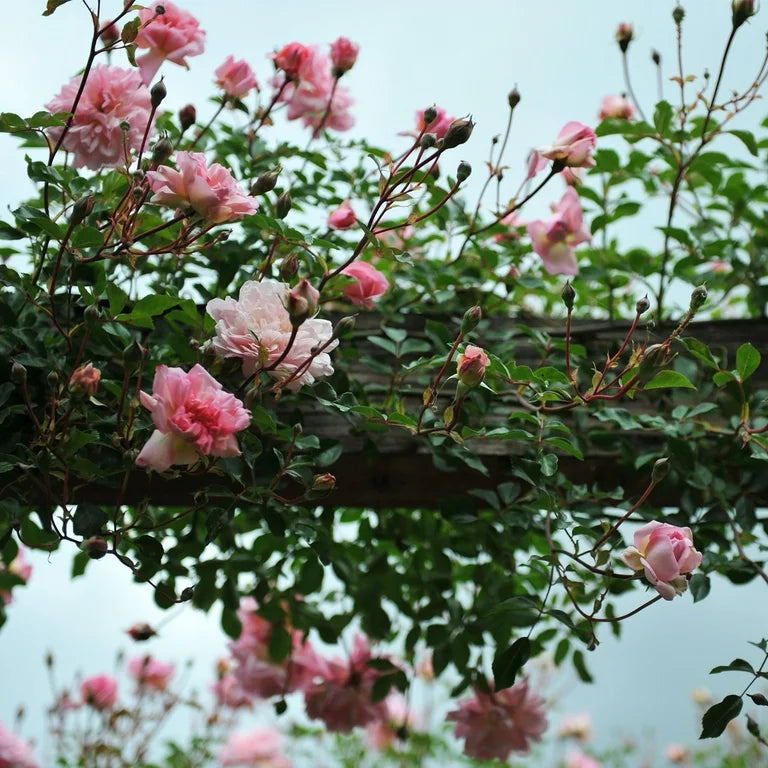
[(192, 416), (229, 693), (343, 217), (258, 748), (290, 59), (343, 55), (14, 752), (577, 727), (555, 239), (308, 94), (616, 106), (381, 734), (573, 146), (342, 700), (150, 673), (471, 365), (577, 759), (498, 723), (99, 691), (369, 283), (676, 753), (439, 126), (235, 78), (112, 98), (666, 553), (258, 324), (173, 35), (86, 378), (18, 567), (210, 190)]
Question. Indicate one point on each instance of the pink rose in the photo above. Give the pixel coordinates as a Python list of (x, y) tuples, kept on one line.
[(173, 35), (99, 691), (343, 55), (555, 239), (498, 723), (235, 78), (86, 378), (258, 748), (112, 98), (290, 59), (229, 694), (15, 753), (18, 567), (148, 672), (573, 146), (471, 365), (666, 553), (257, 327), (369, 283), (209, 190), (577, 759), (616, 106), (192, 416), (439, 126), (343, 217)]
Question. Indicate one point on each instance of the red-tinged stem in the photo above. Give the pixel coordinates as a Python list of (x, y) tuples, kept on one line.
[(436, 383), (615, 357)]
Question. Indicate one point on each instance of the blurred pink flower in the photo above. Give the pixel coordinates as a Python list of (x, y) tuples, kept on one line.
[(308, 94), (342, 700), (112, 98), (578, 726), (555, 239), (290, 59), (536, 163), (381, 734), (343, 55), (148, 672), (369, 283), (18, 567), (615, 106), (439, 126), (173, 35), (513, 222), (86, 378), (343, 217), (577, 759), (235, 78), (498, 723), (258, 748), (676, 753), (14, 752), (192, 416), (230, 694), (256, 328), (573, 146), (210, 190), (666, 553), (99, 691)]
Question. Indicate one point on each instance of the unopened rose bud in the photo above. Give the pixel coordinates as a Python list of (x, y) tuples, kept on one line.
[(265, 183), (742, 10), (568, 295), (643, 305), (85, 379), (470, 320), (283, 205), (323, 483), (660, 470), (458, 132), (471, 365), (187, 594), (81, 208), (624, 34), (656, 57), (698, 297), (157, 93), (428, 140), (302, 302), (109, 35), (654, 356), (18, 374), (430, 114), (95, 547), (289, 267), (345, 326), (187, 117), (463, 172), (162, 150), (91, 315), (53, 381), (141, 632), (678, 14), (159, 10), (513, 98)]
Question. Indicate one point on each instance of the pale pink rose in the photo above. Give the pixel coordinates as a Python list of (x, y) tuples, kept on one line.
[(150, 673), (676, 753), (343, 217), (258, 748), (369, 283), (616, 106), (18, 567), (174, 35), (577, 759), (513, 222), (666, 553), (257, 324), (192, 416), (439, 126), (471, 365), (573, 146), (14, 752), (112, 98), (99, 691), (290, 59), (498, 723), (210, 190), (577, 727), (308, 95), (555, 239), (230, 694), (343, 55), (86, 378), (381, 734), (342, 700), (235, 78)]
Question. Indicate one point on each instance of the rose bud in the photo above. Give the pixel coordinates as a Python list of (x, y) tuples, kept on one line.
[(141, 632), (302, 302), (458, 132), (187, 117), (471, 365)]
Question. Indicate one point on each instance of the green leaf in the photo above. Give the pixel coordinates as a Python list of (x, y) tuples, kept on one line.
[(230, 623), (279, 643), (662, 117), (748, 139), (717, 717), (699, 586), (52, 6), (509, 662), (88, 520), (117, 298), (580, 666), (151, 306), (737, 665), (667, 380), (747, 361), (548, 464)]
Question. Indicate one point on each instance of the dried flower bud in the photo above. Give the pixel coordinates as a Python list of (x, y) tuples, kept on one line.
[(85, 380), (18, 374), (470, 320), (162, 150), (458, 132), (141, 632), (187, 116), (430, 114), (289, 267), (660, 470), (81, 208), (95, 547), (624, 35), (513, 98), (157, 93), (678, 14), (463, 172), (698, 297), (656, 57), (643, 305), (742, 10), (428, 140), (302, 302), (283, 205), (568, 295), (344, 326), (265, 183), (159, 10)]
